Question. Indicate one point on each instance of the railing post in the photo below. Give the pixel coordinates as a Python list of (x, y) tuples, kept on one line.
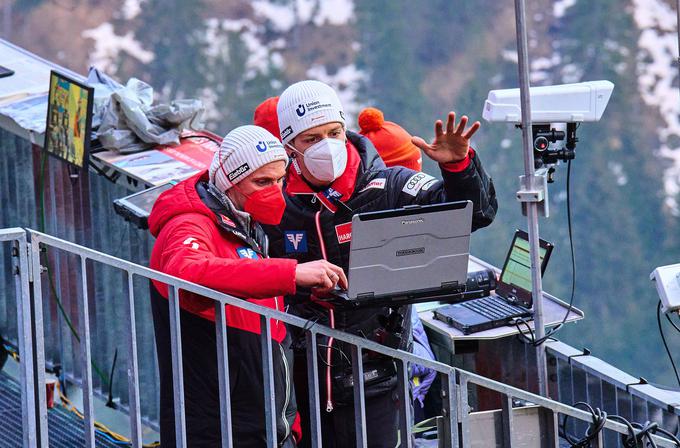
[(133, 368), (268, 376), (223, 374), (359, 398), (450, 411), (466, 437), (405, 421), (177, 367), (313, 389), (39, 343), (550, 427), (507, 420), (25, 342), (86, 358)]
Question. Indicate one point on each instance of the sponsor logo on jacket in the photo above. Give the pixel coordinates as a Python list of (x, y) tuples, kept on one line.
[(375, 183), (286, 132), (247, 252), (418, 182), (227, 221), (295, 241), (344, 232), (191, 242), (332, 194)]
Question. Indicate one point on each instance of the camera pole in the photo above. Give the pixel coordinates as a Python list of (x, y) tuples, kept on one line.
[(677, 10), (531, 193)]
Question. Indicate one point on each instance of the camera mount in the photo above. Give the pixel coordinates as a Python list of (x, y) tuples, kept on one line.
[(552, 143)]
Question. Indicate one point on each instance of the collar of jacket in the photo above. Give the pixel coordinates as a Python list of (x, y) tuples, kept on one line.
[(359, 151)]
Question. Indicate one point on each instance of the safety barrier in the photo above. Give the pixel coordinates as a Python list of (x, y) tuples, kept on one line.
[(456, 427)]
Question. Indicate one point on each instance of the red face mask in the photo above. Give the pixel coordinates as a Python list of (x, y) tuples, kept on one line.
[(266, 206)]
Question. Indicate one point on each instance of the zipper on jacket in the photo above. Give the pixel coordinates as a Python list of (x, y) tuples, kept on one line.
[(287, 400)]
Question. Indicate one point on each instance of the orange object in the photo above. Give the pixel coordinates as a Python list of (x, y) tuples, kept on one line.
[(50, 384), (391, 140), (265, 116)]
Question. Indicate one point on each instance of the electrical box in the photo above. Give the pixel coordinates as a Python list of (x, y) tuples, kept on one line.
[(667, 279)]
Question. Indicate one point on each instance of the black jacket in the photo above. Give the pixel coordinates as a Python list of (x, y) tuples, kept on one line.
[(377, 188)]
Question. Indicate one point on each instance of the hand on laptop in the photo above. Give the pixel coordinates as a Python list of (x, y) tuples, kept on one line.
[(320, 275)]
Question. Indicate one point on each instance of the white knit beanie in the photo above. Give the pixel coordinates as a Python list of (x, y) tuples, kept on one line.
[(307, 104), (244, 150)]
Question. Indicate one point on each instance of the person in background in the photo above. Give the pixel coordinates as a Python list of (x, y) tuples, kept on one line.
[(421, 377), (207, 231), (333, 175), (394, 143)]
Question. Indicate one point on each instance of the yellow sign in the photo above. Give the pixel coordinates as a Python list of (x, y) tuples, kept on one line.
[(69, 118)]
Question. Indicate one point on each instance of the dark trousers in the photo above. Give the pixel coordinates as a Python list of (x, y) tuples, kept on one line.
[(201, 387), (337, 427)]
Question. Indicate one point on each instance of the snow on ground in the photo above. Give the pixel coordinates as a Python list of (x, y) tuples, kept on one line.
[(561, 6), (108, 46), (131, 9), (284, 17), (335, 12), (658, 84), (261, 56)]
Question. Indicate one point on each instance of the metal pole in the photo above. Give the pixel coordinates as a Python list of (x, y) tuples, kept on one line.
[(531, 184), (677, 10)]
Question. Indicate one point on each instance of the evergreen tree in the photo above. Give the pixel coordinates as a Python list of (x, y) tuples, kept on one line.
[(388, 56), (174, 31)]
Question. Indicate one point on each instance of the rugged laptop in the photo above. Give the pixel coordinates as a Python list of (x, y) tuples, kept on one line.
[(512, 298)]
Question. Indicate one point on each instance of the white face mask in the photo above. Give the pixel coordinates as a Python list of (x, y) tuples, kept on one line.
[(326, 159)]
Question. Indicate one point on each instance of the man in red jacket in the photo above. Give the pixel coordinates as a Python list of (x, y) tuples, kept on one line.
[(208, 232)]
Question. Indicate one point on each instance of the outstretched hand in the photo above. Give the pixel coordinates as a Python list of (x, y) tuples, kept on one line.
[(452, 145)]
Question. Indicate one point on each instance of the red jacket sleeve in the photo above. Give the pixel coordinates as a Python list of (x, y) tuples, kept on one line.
[(461, 165), (190, 253)]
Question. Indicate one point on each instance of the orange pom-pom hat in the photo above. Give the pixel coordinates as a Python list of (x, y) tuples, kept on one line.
[(266, 117), (391, 140)]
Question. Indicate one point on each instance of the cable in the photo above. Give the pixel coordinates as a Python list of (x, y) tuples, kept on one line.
[(663, 339), (672, 323), (639, 435), (110, 402), (53, 289), (599, 420)]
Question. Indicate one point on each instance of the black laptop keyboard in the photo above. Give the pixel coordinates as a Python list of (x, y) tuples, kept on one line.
[(493, 308)]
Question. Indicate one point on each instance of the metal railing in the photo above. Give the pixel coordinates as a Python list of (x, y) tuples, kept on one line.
[(20, 270), (576, 375), (456, 427)]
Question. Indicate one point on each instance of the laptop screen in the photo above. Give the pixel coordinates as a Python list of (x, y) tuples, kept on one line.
[(515, 278)]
